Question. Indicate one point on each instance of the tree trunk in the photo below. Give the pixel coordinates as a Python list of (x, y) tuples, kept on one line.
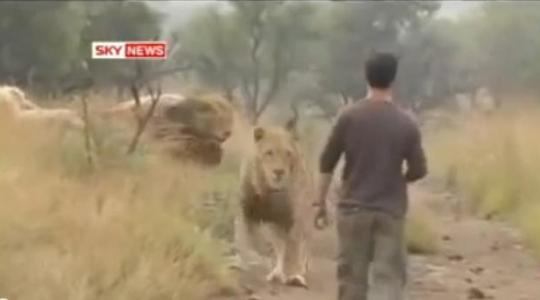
[(142, 120), (90, 158), (120, 92), (30, 78), (141, 126), (252, 115), (250, 103), (278, 77), (345, 99), (229, 95)]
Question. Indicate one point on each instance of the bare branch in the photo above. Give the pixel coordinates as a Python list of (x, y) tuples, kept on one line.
[(142, 121), (293, 122), (135, 94), (275, 84), (344, 98), (245, 88), (228, 93), (272, 92), (256, 39)]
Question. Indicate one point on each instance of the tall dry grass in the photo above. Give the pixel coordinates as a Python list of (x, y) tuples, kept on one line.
[(494, 159), (136, 228), (422, 230)]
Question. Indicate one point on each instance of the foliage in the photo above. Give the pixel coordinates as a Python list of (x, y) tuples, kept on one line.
[(117, 21), (252, 48), (428, 71), (40, 41), (265, 52), (45, 43), (511, 63), (355, 29)]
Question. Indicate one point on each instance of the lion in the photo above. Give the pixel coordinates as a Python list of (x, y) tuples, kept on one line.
[(191, 128), (16, 97), (60, 116), (15, 105), (276, 189)]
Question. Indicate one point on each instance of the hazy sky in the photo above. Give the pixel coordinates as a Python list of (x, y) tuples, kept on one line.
[(453, 9), (179, 11)]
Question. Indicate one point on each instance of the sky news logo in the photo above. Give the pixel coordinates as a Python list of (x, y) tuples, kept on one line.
[(129, 50)]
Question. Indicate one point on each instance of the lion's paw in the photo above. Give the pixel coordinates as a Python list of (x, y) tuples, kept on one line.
[(298, 281), (237, 263), (276, 276)]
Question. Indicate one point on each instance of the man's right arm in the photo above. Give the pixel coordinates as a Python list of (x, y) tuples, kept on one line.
[(329, 158), (415, 157)]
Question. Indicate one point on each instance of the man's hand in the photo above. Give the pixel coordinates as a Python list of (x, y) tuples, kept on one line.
[(321, 217)]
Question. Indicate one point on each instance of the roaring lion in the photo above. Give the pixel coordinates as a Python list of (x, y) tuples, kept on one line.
[(276, 189), (190, 127)]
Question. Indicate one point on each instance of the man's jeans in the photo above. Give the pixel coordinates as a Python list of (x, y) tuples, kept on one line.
[(371, 241)]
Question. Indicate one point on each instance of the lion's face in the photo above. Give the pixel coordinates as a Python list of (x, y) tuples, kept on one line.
[(276, 156), (209, 119)]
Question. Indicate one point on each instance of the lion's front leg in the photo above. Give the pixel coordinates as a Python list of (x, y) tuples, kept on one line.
[(296, 258), (279, 245), (291, 257)]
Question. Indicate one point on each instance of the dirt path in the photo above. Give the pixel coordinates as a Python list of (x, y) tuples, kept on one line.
[(478, 260)]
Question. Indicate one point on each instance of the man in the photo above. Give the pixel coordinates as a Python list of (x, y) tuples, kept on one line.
[(377, 138)]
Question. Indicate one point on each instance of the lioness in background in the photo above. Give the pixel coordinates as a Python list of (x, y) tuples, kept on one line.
[(15, 105), (275, 193)]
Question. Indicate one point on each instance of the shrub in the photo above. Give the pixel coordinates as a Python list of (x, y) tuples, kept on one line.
[(421, 231)]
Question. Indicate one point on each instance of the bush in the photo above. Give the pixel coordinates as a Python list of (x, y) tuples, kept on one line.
[(421, 231)]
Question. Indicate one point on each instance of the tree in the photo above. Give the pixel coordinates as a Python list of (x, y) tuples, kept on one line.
[(506, 46), (212, 44), (118, 21), (40, 40), (429, 71), (45, 43), (355, 29), (251, 48)]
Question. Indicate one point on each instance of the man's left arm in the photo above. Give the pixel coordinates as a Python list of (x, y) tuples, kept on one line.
[(415, 157)]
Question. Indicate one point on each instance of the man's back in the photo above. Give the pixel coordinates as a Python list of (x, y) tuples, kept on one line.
[(376, 138)]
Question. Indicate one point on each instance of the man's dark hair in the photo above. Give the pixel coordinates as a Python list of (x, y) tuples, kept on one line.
[(381, 69)]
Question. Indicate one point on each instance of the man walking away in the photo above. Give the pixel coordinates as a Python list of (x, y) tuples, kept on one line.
[(376, 138)]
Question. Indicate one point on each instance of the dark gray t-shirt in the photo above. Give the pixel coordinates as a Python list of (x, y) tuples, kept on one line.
[(377, 139)]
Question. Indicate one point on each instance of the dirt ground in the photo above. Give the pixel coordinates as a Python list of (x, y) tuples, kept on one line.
[(478, 259)]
